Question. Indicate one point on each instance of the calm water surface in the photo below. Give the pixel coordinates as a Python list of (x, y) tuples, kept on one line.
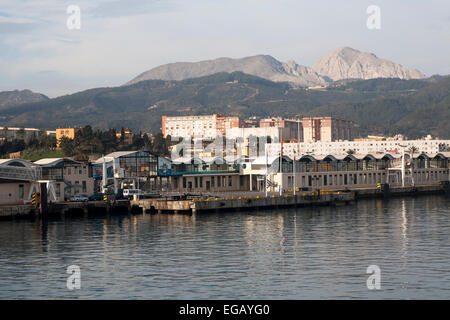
[(282, 254)]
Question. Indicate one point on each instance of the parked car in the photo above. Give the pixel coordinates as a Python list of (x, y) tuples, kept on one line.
[(96, 197), (80, 197)]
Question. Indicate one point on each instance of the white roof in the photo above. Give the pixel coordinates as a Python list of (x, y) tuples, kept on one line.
[(6, 162), (47, 161), (264, 160), (114, 155)]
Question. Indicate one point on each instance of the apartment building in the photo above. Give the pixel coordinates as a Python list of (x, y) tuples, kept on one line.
[(199, 127), (326, 129), (294, 127), (360, 147)]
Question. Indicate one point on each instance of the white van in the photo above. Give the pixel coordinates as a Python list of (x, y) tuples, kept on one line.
[(129, 193)]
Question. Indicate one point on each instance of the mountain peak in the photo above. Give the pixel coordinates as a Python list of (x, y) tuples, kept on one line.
[(349, 63)]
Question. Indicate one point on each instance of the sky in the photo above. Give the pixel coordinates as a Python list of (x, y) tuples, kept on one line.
[(119, 39)]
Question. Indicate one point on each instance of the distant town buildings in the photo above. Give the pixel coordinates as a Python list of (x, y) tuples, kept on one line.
[(10, 133)]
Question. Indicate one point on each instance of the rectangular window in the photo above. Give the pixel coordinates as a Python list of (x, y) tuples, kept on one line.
[(21, 191), (201, 182), (58, 190), (212, 182), (84, 186), (230, 181), (184, 183), (219, 181)]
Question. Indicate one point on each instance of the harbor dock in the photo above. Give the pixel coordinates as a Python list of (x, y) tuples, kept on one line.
[(220, 202)]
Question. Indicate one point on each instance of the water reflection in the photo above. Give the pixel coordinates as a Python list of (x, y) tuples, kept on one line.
[(297, 253)]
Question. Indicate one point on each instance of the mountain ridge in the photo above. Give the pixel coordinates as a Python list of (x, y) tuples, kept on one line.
[(18, 97), (377, 105), (342, 63)]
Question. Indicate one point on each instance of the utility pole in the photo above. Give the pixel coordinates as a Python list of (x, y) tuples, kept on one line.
[(403, 167), (293, 170), (265, 180), (281, 167)]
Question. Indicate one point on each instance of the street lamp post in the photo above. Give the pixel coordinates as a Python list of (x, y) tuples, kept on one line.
[(293, 170)]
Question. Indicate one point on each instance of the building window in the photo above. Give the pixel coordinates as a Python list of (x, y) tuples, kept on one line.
[(21, 191), (230, 181), (212, 182), (84, 186), (184, 183), (58, 190)]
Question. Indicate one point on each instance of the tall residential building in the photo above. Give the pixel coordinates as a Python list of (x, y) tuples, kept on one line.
[(326, 129), (294, 128), (205, 127)]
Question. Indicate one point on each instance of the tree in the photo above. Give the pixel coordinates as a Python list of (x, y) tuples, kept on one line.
[(67, 146)]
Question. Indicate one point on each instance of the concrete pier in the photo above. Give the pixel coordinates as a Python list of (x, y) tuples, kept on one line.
[(216, 202)]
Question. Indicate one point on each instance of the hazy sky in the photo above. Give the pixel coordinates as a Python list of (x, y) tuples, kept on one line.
[(119, 39)]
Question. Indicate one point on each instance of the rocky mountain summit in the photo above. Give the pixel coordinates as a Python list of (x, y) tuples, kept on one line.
[(348, 63), (343, 63)]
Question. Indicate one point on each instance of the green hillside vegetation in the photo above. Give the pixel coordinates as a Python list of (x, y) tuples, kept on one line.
[(385, 106)]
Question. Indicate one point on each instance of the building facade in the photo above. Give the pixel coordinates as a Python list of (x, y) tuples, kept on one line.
[(361, 147), (70, 177), (326, 129)]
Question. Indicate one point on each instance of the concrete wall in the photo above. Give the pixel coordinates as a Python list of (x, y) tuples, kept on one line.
[(10, 193)]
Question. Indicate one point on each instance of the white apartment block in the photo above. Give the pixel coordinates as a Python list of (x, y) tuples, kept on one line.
[(190, 126), (359, 147)]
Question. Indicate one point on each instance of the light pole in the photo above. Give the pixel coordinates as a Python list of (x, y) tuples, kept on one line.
[(293, 170), (281, 167)]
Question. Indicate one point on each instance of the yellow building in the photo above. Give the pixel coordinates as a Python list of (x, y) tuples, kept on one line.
[(65, 132)]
